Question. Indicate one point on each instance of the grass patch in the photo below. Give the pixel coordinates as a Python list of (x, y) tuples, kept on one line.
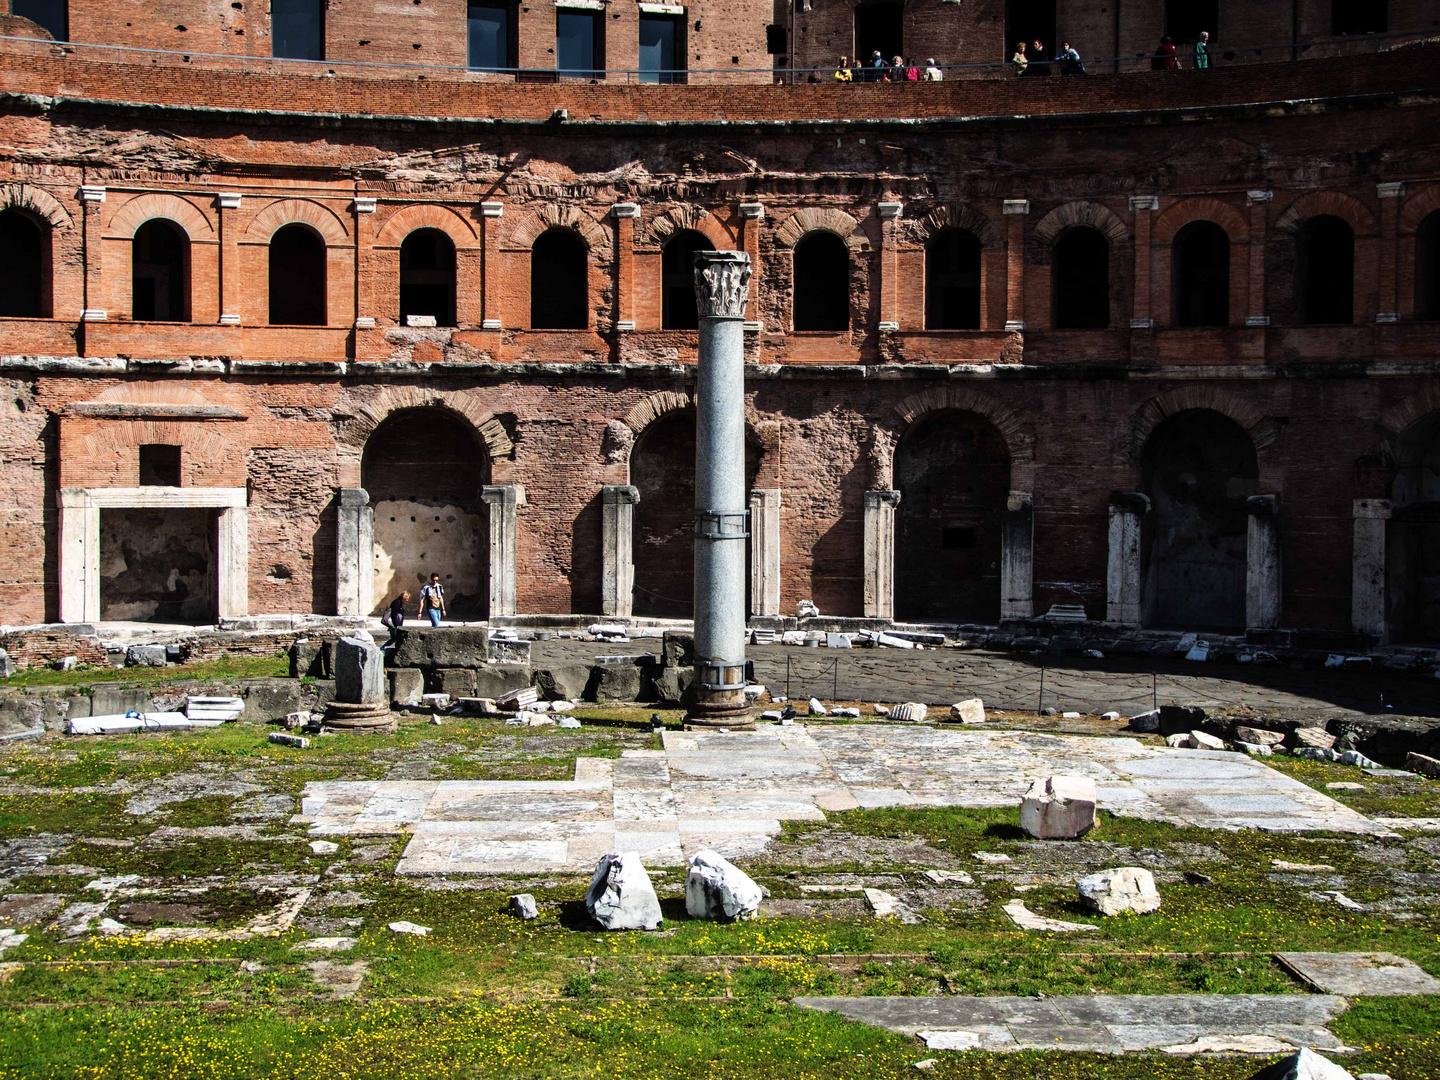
[(1383, 796), (226, 667)]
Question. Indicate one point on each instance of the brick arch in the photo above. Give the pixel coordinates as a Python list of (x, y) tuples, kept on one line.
[(790, 231), (1396, 420), (34, 201), (408, 219), (1336, 203), (553, 216), (621, 435), (133, 213), (1176, 216), (1227, 403), (688, 216), (1418, 207), (953, 216), (375, 404), (153, 393), (1087, 214), (1019, 439), (208, 453), (282, 212)]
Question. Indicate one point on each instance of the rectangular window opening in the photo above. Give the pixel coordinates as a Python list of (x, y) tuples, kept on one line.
[(775, 43), (492, 40), (159, 465), (957, 538), (662, 52), (1359, 16), (53, 15), (580, 44), (297, 29)]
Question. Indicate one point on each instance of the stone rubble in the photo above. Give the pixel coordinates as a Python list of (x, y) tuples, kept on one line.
[(1127, 890), (1317, 737), (1026, 919), (816, 708), (969, 711), (1261, 736), (1305, 1064), (911, 710), (1059, 807), (404, 926), (523, 906), (717, 889), (887, 905), (621, 896)]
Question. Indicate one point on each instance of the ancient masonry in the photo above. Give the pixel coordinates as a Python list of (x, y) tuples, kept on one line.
[(1162, 345)]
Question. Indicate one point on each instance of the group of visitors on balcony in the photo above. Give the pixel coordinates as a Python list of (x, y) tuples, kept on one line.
[(898, 70)]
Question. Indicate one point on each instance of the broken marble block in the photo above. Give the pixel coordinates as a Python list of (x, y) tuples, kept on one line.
[(1423, 764), (806, 609), (1180, 739), (1146, 721), (1128, 890), (817, 709), (621, 896), (359, 671), (715, 888), (522, 905), (518, 699), (1059, 808), (1303, 1065), (1202, 741), (910, 710), (1259, 735), (1317, 737), (969, 711)]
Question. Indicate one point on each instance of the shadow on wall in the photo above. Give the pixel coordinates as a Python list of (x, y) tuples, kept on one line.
[(157, 566)]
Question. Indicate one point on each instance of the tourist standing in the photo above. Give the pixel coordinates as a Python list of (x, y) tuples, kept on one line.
[(1165, 58), (432, 600), (933, 71), (843, 72), (878, 69), (1020, 60), (1070, 60), (1038, 66), (1202, 51), (394, 618)]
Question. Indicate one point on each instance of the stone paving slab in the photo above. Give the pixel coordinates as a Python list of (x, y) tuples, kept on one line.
[(1375, 974), (732, 791), (1109, 1023)]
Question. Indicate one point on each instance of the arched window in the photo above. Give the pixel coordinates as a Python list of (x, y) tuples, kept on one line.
[(559, 282), (53, 15), (427, 276), (822, 282), (1082, 280), (1427, 268), (160, 273), (677, 268), (952, 281), (297, 277), (1325, 270), (1202, 275), (24, 270)]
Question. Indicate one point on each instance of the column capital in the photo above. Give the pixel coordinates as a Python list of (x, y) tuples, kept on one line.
[(1371, 508), (620, 494), (492, 209), (1390, 190), (752, 211), (365, 204), (882, 498), (227, 200), (722, 284), (1016, 206), (1131, 502), (500, 494), (350, 497), (890, 210), (1144, 202), (1258, 196), (92, 193), (1019, 500), (1263, 505), (625, 209)]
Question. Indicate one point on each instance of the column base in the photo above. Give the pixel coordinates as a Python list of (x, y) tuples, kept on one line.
[(727, 709)]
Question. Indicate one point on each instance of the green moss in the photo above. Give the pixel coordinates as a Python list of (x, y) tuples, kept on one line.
[(226, 667)]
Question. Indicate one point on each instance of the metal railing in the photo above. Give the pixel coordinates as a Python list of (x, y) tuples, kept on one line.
[(1221, 55)]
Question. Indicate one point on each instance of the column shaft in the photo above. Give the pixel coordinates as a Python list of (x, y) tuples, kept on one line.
[(617, 559), (1262, 563), (1017, 558), (1367, 593), (232, 562), (79, 557), (880, 553), (354, 553), (504, 501), (1122, 577), (765, 551)]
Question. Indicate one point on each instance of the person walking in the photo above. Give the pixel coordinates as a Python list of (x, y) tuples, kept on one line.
[(843, 72), (394, 618), (1020, 60), (432, 600), (933, 71), (1202, 51), (1165, 58)]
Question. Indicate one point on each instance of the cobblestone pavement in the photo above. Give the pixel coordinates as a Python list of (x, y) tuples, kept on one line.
[(1009, 681)]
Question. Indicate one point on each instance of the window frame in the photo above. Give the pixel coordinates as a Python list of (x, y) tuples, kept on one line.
[(596, 68)]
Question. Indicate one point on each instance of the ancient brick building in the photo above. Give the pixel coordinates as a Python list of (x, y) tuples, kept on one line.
[(1161, 344)]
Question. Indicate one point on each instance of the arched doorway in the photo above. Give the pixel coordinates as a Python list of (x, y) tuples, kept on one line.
[(662, 468), (1082, 280), (952, 470), (427, 276), (1412, 558), (1325, 271), (297, 277), (24, 266), (952, 281), (559, 282), (160, 273), (677, 269), (1200, 467), (424, 470), (1202, 275), (822, 282)]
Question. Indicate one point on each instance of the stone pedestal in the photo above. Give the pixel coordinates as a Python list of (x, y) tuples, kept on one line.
[(1367, 588), (1017, 557), (504, 500), (1262, 563), (359, 672), (1122, 572), (765, 551), (354, 553), (617, 557), (880, 553)]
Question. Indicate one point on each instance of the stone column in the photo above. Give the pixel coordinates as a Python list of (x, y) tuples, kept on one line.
[(232, 562), (79, 557), (1122, 573), (1142, 206), (722, 282), (1391, 304), (617, 558), (1017, 557), (227, 203), (625, 214), (889, 267), (880, 553), (1015, 211), (1262, 563), (1367, 589), (765, 551), (1255, 305), (354, 553), (92, 198), (490, 214), (366, 272), (504, 501)]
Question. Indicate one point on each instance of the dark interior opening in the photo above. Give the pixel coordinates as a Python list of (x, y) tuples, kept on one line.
[(1427, 267), (159, 465), (1202, 275), (822, 282), (427, 276), (879, 26), (1325, 275), (662, 49), (491, 37), (579, 44), (160, 273), (23, 273), (1185, 19), (677, 269), (297, 277), (53, 15), (1359, 16), (297, 29), (1082, 280), (957, 538), (559, 282), (1027, 20), (952, 281), (1412, 555)]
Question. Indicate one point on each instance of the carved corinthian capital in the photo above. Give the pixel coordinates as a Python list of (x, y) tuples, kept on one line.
[(722, 284)]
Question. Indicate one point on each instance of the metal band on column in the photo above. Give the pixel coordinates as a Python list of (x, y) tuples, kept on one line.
[(722, 280)]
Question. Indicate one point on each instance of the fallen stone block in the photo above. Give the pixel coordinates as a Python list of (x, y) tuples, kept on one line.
[(213, 708), (496, 680), (282, 738), (949, 877), (522, 905), (893, 642), (1259, 735), (567, 681), (1309, 736), (1359, 760), (435, 701), (1146, 722), (404, 926), (607, 630), (1110, 717), (1305, 1064), (793, 637), (1059, 808), (324, 847), (911, 710), (615, 682), (406, 687), (455, 683), (837, 641), (567, 722), (479, 706), (620, 896), (991, 858), (1254, 749), (969, 711), (1423, 764), (1315, 753), (1026, 919), (1070, 716), (806, 609), (889, 906), (1202, 741), (678, 649), (359, 671), (442, 647), (1179, 739), (717, 889), (1180, 718), (775, 716), (270, 700), (850, 713), (310, 658), (145, 656), (817, 709), (1128, 890), (518, 699)]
